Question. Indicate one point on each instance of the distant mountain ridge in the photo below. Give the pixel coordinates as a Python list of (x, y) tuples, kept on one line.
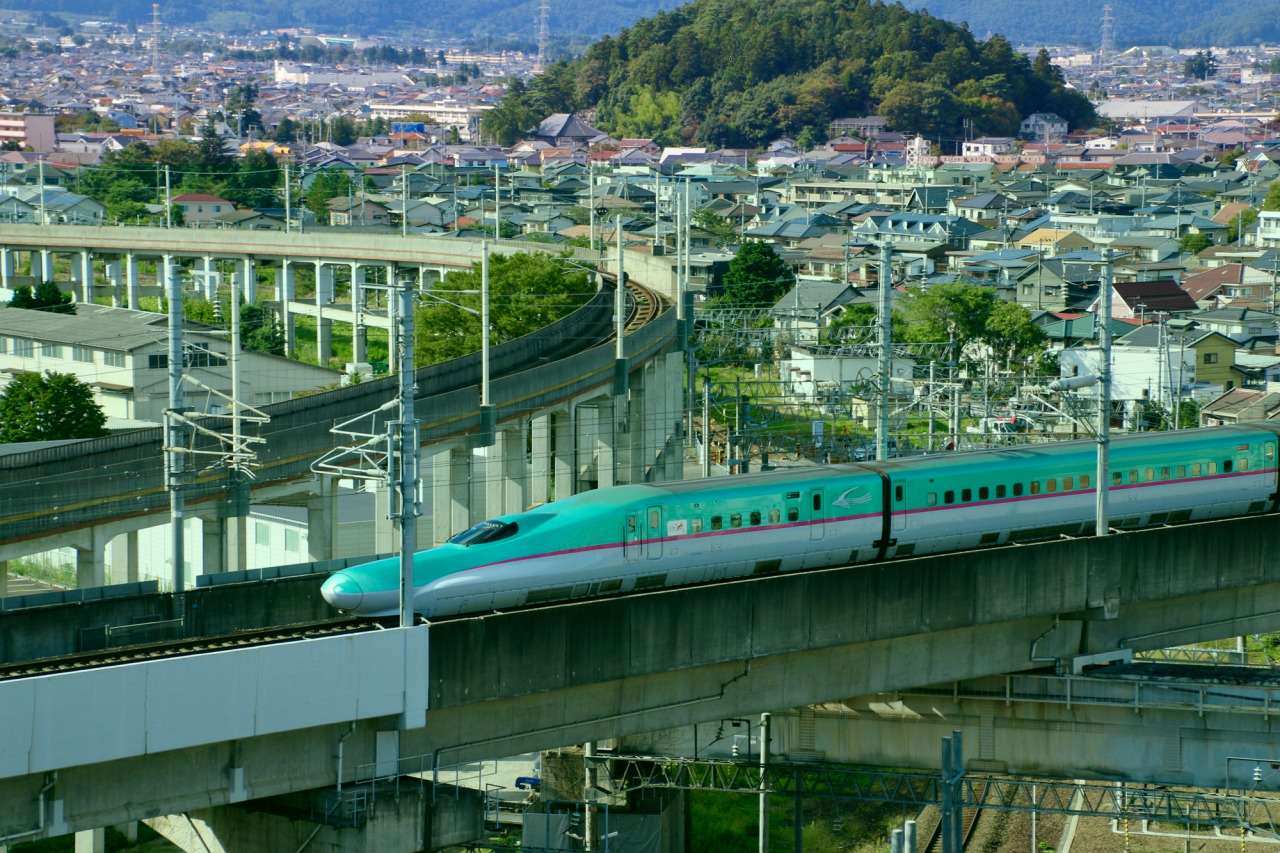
[(1182, 23)]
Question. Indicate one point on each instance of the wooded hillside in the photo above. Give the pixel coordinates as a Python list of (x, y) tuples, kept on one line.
[(738, 73)]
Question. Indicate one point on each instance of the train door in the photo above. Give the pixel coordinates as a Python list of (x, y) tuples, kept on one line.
[(655, 532), (631, 538), (897, 505), (817, 527)]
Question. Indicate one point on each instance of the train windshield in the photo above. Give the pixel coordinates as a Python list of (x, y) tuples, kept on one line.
[(485, 531)]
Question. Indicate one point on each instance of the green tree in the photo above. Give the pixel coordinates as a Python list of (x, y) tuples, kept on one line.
[(49, 407), (945, 312), (1272, 200), (715, 225), (286, 130), (1193, 244), (526, 291), (1201, 65), (1011, 334), (756, 277), (1240, 222), (508, 122), (46, 297)]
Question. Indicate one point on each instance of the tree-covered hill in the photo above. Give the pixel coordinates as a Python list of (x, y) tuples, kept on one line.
[(738, 73), (1182, 23)]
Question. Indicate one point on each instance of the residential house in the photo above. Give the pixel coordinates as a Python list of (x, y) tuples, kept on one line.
[(801, 314), (988, 146), (1240, 406), (1044, 126), (1212, 352), (198, 208), (1149, 299)]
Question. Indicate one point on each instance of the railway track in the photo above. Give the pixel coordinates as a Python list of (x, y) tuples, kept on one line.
[(968, 819), (193, 646)]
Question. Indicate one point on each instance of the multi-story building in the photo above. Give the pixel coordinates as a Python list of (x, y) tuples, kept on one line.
[(124, 356), (29, 130)]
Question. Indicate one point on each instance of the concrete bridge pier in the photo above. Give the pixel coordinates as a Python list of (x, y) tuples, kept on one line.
[(247, 275), (91, 558), (6, 266), (225, 541), (673, 411), (540, 459), (564, 429), (113, 271), (597, 443), (322, 519), (42, 265), (324, 327), (285, 294), (506, 480), (359, 331), (133, 289), (91, 840), (450, 491), (404, 819), (124, 557)]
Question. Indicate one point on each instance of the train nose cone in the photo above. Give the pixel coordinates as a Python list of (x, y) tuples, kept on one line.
[(343, 592)]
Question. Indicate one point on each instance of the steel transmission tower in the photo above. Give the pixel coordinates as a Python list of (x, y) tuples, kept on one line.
[(1108, 47), (544, 33), (155, 36)]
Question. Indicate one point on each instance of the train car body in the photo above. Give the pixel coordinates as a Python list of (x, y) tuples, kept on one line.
[(640, 537)]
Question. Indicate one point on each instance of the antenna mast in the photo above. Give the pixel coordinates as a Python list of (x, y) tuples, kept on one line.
[(1107, 47), (544, 33), (155, 36)]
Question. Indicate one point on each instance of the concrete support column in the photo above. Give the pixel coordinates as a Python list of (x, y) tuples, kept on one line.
[(91, 840), (285, 292), (164, 269), (124, 557), (450, 493), (213, 544), (4, 583), (6, 266), (505, 482), (238, 533), (85, 262), (359, 332), (603, 430), (42, 266), (673, 382), (133, 290), (91, 561), (249, 280), (112, 270), (540, 460), (324, 326), (566, 447), (322, 519), (637, 423)]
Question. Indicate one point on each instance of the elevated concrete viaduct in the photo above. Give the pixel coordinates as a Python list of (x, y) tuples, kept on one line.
[(213, 729)]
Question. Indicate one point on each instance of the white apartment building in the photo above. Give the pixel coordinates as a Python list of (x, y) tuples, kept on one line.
[(124, 356)]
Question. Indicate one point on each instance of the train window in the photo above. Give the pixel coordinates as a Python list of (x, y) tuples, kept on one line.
[(931, 499), (817, 500), (1035, 487), (1084, 481), (793, 513), (1226, 466), (1182, 470), (1116, 478), (716, 522), (1000, 490), (1164, 473), (650, 581), (538, 596), (1195, 469), (1017, 489), (983, 493), (611, 586), (1213, 468), (1150, 475), (1243, 464), (655, 519), (735, 520), (966, 495), (897, 492), (1051, 485), (1133, 476), (755, 517), (774, 516), (1068, 484), (1269, 451), (792, 496), (485, 531), (948, 497), (695, 525)]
